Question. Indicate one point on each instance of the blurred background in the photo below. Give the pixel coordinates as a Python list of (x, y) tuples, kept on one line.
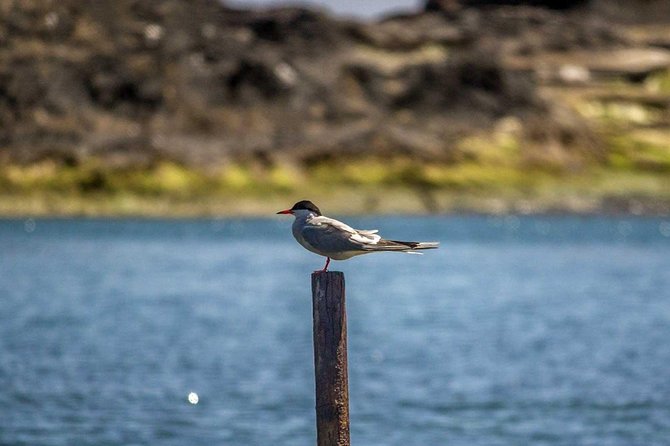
[(531, 138), (181, 108)]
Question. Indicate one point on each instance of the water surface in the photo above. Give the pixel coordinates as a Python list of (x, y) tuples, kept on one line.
[(532, 330)]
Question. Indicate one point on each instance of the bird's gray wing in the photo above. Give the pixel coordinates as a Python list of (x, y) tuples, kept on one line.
[(367, 239), (330, 235)]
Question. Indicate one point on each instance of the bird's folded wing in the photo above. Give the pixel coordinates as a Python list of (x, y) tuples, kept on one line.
[(331, 235), (327, 221)]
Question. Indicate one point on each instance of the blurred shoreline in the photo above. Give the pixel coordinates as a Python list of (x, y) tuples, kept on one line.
[(188, 108), (576, 198)]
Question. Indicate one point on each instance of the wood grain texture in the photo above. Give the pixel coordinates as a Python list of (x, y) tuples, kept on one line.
[(330, 358)]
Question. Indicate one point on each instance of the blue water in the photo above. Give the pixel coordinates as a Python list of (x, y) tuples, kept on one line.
[(518, 331)]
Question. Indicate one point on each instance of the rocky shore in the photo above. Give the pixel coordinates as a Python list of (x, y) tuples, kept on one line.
[(103, 90)]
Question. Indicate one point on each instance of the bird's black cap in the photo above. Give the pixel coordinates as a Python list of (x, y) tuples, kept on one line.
[(308, 205)]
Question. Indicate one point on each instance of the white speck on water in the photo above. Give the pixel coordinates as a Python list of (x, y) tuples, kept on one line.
[(624, 228), (193, 398), (664, 228), (512, 223), (377, 356), (29, 225), (542, 227)]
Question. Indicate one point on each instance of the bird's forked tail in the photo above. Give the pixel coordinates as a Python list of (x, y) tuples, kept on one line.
[(408, 247)]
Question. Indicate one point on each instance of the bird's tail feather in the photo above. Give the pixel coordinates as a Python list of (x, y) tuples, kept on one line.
[(408, 247), (427, 245)]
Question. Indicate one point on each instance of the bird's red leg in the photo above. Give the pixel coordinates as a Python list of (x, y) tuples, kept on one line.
[(325, 268)]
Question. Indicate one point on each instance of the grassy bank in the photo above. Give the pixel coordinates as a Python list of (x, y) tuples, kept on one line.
[(632, 181), (626, 170)]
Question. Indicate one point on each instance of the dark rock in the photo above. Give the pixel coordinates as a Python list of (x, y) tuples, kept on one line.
[(553, 4), (112, 83), (256, 80), (199, 82)]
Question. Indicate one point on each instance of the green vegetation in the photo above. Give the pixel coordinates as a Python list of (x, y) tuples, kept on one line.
[(489, 173), (645, 150), (659, 83)]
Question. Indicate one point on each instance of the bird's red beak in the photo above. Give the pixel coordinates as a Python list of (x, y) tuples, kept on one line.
[(287, 211)]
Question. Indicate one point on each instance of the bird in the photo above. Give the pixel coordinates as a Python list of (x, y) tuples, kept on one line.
[(338, 241)]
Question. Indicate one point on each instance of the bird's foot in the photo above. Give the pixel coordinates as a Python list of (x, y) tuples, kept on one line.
[(325, 268)]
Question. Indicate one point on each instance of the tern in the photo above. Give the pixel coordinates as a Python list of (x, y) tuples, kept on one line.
[(338, 241)]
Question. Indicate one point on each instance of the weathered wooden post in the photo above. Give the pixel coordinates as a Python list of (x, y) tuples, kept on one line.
[(330, 358)]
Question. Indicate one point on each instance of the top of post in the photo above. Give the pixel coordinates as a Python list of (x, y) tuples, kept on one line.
[(327, 274), (327, 279)]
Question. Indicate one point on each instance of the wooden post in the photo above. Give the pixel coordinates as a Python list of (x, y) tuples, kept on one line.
[(330, 358)]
